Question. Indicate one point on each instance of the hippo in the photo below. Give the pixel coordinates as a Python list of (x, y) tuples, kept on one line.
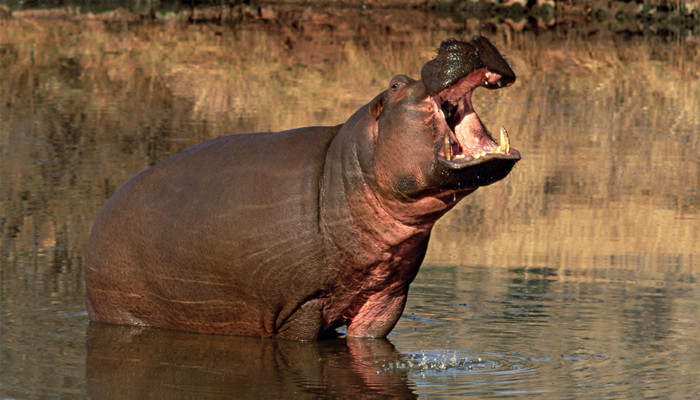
[(294, 234)]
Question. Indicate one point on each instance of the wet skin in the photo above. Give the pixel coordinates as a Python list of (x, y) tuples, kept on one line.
[(292, 234)]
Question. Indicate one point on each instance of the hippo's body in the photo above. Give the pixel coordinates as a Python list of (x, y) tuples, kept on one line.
[(292, 234)]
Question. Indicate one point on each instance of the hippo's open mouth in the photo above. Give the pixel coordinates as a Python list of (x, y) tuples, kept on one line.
[(466, 154), (465, 141)]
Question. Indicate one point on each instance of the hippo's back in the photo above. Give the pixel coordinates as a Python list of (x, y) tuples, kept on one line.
[(178, 246)]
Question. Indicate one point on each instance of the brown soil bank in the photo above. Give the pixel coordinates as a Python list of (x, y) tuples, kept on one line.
[(352, 17)]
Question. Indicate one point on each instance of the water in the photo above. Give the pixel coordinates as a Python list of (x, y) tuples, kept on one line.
[(575, 277), (466, 331), (569, 336)]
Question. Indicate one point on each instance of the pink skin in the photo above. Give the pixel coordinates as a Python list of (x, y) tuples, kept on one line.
[(386, 231), (469, 136)]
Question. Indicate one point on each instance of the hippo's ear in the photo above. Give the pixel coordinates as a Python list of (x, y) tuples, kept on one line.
[(376, 106)]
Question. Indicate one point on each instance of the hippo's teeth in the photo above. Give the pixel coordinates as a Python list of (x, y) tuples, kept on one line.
[(448, 147), (504, 146)]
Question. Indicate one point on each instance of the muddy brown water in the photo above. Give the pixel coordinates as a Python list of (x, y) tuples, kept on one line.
[(575, 277)]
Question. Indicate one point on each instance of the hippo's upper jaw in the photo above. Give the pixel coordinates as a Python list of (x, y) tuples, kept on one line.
[(466, 154)]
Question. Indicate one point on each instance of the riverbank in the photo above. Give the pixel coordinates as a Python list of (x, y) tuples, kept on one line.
[(678, 18), (89, 102)]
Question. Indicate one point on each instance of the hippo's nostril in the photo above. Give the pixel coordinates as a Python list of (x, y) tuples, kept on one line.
[(456, 59)]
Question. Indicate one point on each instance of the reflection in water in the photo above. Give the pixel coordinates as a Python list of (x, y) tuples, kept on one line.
[(460, 336), (577, 276), (544, 331), (127, 362)]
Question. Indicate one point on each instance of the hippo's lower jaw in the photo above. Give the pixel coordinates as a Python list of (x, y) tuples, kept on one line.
[(475, 172), (463, 159), (474, 169)]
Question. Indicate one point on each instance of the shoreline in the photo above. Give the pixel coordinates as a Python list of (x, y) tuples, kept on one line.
[(680, 19)]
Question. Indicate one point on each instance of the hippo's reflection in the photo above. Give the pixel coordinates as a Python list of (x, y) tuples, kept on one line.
[(129, 362)]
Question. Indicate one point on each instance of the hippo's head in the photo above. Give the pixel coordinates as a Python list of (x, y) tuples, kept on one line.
[(429, 139)]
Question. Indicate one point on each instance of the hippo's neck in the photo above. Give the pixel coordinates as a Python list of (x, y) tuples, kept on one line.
[(362, 238)]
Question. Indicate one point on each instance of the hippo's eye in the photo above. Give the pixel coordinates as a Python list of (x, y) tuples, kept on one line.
[(397, 82), (396, 85)]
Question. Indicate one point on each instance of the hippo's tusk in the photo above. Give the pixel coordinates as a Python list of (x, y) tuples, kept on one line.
[(504, 143), (448, 147)]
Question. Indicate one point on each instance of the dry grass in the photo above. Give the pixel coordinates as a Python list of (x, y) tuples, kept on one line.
[(609, 133), (609, 130)]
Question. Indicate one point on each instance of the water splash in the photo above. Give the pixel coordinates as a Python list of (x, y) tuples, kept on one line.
[(427, 362)]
